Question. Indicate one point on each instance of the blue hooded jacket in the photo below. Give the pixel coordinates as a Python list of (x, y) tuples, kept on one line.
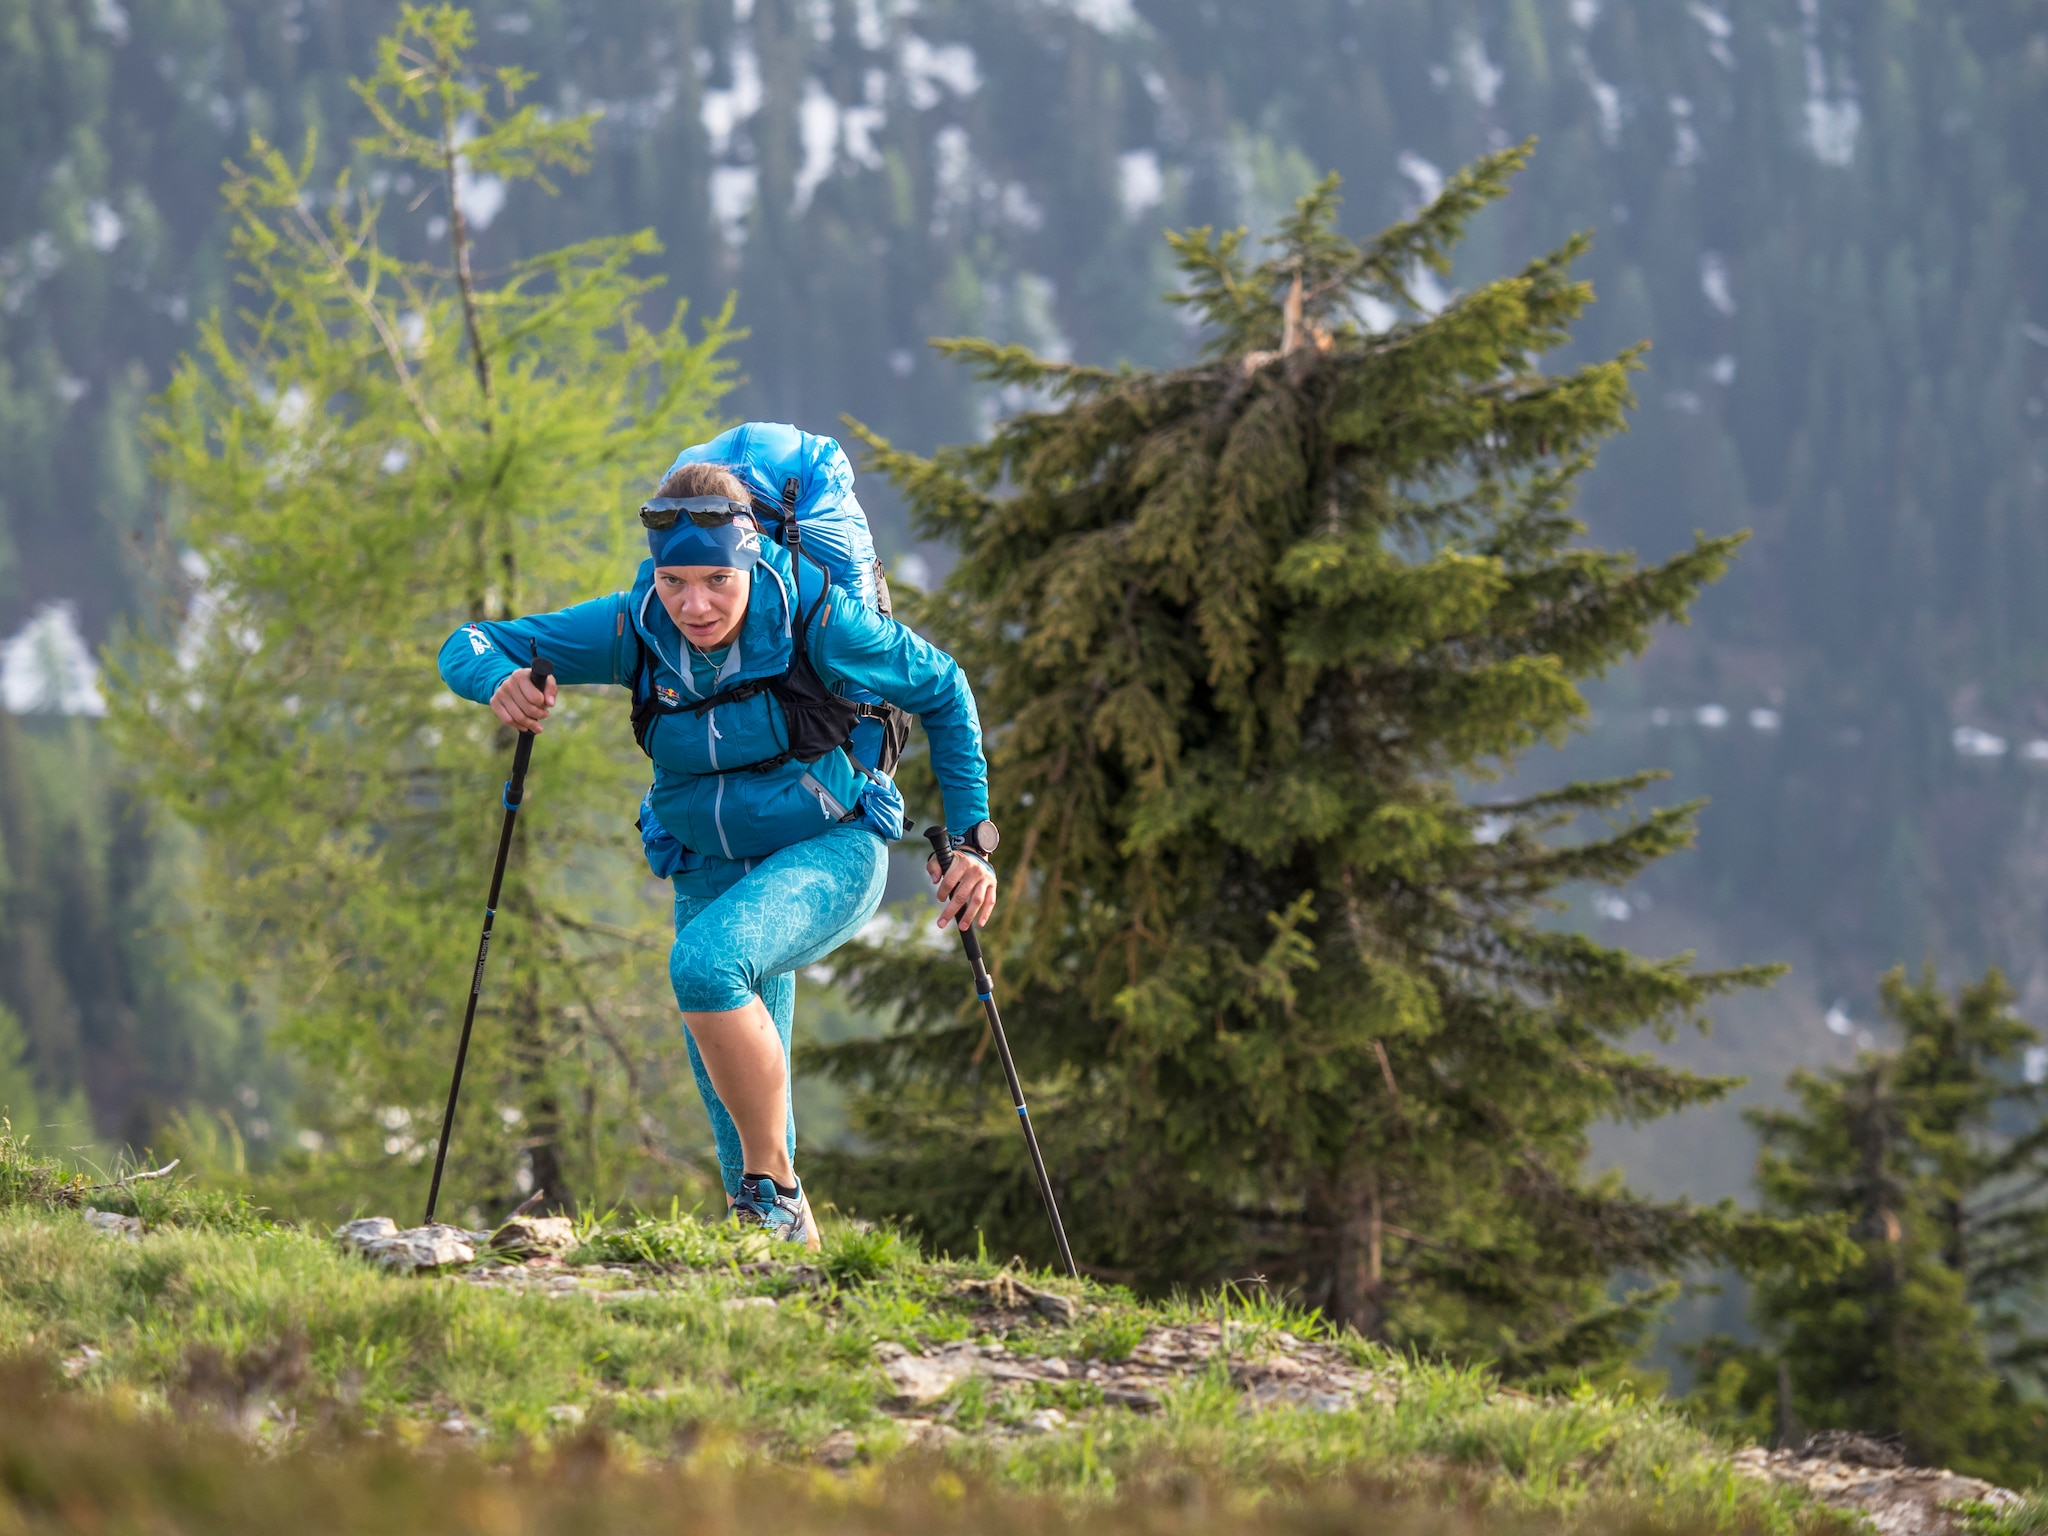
[(697, 796)]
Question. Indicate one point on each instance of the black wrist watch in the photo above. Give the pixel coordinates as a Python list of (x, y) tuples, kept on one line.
[(981, 838)]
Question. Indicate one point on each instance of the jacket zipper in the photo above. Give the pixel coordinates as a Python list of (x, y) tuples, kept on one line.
[(827, 803), (718, 816)]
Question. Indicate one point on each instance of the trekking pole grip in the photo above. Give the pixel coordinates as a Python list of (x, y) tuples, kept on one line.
[(522, 752)]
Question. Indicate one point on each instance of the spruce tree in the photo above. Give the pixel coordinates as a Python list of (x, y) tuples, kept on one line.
[(1289, 1002), (372, 451), (1935, 1157)]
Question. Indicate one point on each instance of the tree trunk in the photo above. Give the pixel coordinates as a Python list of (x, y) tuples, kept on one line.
[(532, 1046), (1356, 1289), (539, 1100)]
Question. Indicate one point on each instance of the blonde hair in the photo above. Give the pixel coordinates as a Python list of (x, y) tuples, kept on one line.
[(706, 480)]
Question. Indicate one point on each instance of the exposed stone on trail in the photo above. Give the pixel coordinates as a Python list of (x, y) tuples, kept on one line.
[(113, 1224), (413, 1250), (77, 1365), (1270, 1366), (1006, 1292), (535, 1234), (927, 1378), (1056, 1308), (1865, 1475), (837, 1449)]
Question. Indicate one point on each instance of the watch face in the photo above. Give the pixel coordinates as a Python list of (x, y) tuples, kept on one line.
[(983, 836)]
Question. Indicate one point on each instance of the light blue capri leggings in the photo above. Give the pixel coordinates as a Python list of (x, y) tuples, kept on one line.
[(790, 910)]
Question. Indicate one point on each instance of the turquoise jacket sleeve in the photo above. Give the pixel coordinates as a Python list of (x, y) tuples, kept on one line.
[(854, 646), (589, 642)]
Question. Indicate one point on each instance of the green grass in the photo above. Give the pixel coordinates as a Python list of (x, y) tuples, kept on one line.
[(219, 1315)]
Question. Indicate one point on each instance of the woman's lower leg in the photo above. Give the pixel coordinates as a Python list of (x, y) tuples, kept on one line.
[(743, 1055)]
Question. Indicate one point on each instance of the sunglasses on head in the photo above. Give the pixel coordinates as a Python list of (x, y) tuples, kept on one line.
[(705, 511)]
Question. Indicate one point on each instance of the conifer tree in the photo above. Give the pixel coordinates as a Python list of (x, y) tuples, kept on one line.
[(372, 451), (1287, 1000), (1936, 1157)]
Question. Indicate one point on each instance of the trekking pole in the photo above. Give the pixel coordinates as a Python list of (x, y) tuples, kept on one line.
[(515, 791), (985, 989)]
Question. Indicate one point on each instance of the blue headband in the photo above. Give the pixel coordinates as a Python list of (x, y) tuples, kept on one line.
[(736, 544)]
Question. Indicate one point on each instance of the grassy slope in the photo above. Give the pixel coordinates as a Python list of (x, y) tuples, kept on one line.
[(288, 1339)]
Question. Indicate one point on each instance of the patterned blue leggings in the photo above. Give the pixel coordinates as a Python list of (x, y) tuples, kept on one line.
[(790, 910)]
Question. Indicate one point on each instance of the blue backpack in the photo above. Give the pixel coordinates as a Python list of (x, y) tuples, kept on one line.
[(803, 494)]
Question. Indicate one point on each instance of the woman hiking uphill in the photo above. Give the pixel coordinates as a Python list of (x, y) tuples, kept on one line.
[(770, 811)]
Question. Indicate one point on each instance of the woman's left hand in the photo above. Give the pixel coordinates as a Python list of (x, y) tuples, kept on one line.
[(967, 893)]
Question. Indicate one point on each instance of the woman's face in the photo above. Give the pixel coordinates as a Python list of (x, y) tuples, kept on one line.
[(707, 602)]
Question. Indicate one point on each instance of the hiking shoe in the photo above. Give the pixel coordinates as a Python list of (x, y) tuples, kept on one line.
[(760, 1204)]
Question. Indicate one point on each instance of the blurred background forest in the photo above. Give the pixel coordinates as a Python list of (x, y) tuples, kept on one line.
[(1821, 213)]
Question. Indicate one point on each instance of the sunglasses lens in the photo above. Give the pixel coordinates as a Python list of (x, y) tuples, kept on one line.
[(704, 511)]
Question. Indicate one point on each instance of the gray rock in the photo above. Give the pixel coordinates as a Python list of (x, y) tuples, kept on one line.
[(357, 1236), (1896, 1500), (113, 1224), (924, 1435), (420, 1249), (535, 1234), (1056, 1308), (77, 1365), (926, 1378), (837, 1449)]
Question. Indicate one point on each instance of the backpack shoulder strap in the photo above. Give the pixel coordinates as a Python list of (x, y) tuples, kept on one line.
[(792, 535)]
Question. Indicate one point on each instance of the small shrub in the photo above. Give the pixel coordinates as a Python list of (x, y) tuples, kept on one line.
[(860, 1256), (28, 1178), (2029, 1517), (1112, 1334), (685, 1242)]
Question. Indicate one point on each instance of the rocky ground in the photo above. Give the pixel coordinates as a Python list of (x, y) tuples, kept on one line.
[(1866, 1476), (1852, 1473)]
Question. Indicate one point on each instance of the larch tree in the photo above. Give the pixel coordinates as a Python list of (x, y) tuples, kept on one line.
[(1288, 1001), (371, 451)]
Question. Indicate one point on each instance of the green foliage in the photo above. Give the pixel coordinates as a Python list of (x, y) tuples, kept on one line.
[(1288, 1001), (27, 1178), (1108, 1335), (1932, 1156), (106, 1027), (855, 1255), (370, 451), (678, 1240)]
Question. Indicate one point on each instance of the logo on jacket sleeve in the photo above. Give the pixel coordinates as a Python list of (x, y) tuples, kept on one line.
[(479, 642), (668, 697)]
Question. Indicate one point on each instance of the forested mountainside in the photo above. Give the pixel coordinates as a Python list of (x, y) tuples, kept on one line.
[(1819, 212)]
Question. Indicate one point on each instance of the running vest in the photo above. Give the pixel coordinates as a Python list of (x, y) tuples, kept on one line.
[(818, 720)]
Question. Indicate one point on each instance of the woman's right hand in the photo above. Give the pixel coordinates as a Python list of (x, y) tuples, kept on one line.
[(521, 705)]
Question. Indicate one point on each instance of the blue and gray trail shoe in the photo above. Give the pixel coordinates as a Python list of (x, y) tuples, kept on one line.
[(782, 1213)]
